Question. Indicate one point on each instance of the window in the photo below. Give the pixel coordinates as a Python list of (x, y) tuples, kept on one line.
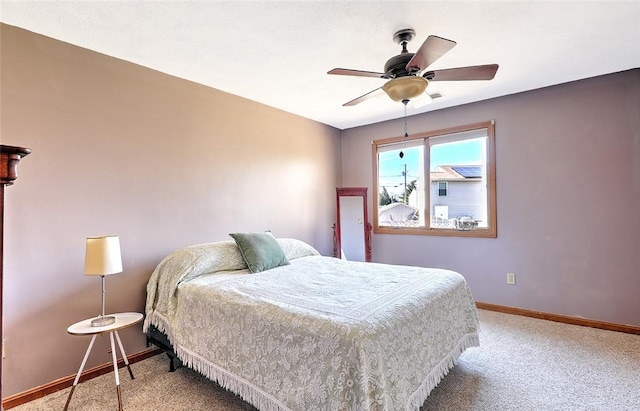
[(436, 183), (442, 188)]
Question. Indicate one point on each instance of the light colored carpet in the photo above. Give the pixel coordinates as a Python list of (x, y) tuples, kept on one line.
[(522, 364)]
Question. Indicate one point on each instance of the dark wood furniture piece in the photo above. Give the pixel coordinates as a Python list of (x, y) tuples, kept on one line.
[(10, 156), (358, 192)]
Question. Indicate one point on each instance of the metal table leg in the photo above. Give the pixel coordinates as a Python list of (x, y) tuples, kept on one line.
[(84, 361), (115, 370), (124, 355)]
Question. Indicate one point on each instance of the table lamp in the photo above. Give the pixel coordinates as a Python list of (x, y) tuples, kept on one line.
[(103, 258)]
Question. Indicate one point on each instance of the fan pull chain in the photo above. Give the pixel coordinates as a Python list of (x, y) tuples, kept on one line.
[(405, 121), (406, 135)]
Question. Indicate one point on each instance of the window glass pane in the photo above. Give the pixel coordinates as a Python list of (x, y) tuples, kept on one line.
[(401, 194), (458, 193), (442, 188)]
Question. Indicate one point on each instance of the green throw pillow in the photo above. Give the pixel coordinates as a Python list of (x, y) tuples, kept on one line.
[(261, 251)]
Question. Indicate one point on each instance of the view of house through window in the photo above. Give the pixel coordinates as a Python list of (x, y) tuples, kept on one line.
[(437, 183)]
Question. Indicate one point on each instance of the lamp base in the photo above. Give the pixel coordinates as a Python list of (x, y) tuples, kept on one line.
[(102, 321)]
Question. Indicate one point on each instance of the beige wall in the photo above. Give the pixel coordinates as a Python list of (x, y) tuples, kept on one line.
[(568, 199), (159, 161)]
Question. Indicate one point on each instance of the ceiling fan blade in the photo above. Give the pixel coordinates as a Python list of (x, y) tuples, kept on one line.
[(484, 72), (374, 93), (359, 73), (431, 50)]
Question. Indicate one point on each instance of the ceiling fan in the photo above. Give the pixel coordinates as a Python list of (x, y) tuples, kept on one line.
[(406, 71)]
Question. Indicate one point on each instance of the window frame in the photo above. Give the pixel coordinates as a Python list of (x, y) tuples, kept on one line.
[(492, 228)]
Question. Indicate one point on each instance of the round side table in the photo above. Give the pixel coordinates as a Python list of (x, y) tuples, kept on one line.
[(84, 327)]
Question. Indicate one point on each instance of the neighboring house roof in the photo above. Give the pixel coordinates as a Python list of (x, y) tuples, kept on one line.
[(456, 173), (397, 212)]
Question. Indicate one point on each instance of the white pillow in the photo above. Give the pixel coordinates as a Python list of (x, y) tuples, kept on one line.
[(294, 248)]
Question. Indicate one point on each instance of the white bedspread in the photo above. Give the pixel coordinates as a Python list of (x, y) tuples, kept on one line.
[(319, 334)]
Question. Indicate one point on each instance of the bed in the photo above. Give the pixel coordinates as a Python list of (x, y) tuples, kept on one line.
[(307, 332)]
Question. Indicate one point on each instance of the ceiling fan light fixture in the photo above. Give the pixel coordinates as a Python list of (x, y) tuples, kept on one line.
[(405, 88)]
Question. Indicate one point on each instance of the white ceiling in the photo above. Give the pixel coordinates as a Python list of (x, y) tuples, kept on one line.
[(278, 52)]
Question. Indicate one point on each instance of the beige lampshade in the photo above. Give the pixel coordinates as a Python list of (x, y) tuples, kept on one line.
[(405, 88), (103, 256)]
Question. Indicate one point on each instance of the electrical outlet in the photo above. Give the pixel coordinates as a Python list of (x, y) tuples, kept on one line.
[(511, 278)]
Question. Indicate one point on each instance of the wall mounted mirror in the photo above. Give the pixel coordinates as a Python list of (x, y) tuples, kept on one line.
[(352, 232)]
